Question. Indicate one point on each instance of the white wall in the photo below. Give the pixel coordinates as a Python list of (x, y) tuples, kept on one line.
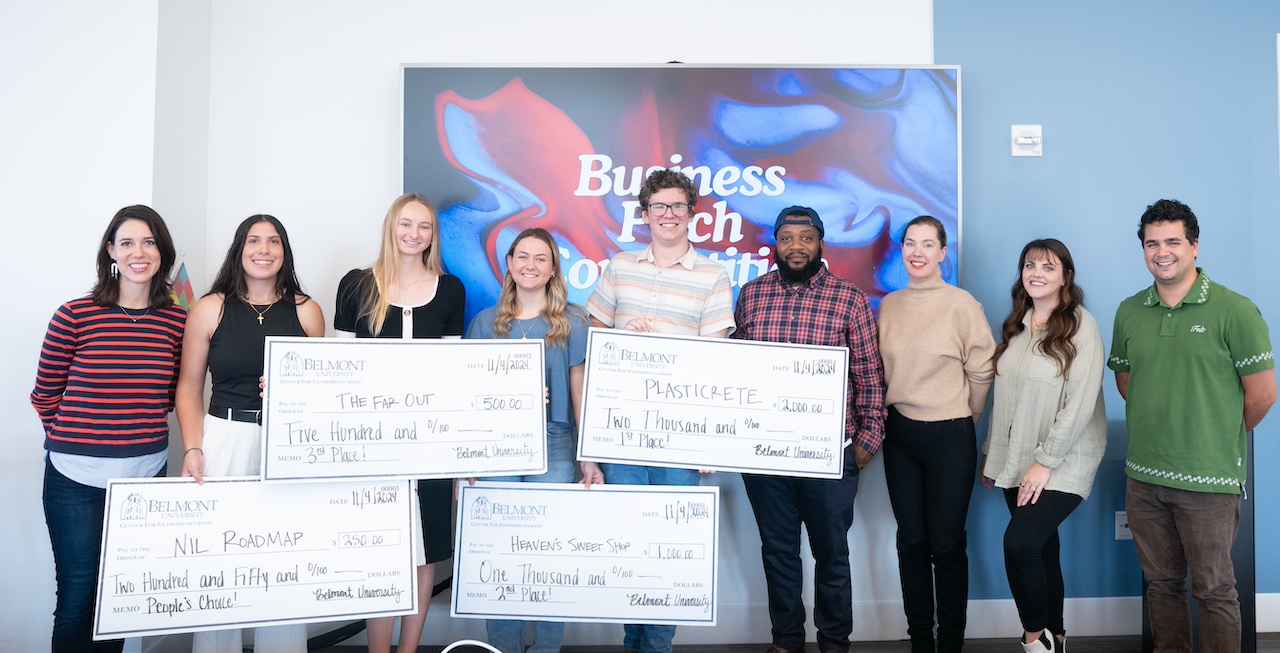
[(214, 111), (76, 136), (181, 178)]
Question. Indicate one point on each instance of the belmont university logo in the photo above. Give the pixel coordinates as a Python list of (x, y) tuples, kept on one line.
[(484, 509), (480, 508), (609, 354), (291, 365), (134, 508), (614, 356)]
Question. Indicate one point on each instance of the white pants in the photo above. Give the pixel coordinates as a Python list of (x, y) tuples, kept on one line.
[(235, 449)]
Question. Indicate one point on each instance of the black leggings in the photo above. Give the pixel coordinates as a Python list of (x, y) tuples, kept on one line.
[(1031, 558), (930, 469)]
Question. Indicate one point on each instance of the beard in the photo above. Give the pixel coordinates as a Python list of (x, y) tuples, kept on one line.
[(802, 275)]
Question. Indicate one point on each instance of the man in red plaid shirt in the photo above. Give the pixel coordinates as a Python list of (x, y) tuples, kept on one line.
[(802, 302)]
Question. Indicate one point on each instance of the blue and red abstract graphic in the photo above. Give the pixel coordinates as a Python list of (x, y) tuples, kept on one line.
[(503, 149)]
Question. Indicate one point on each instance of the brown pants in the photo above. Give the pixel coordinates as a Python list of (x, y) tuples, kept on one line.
[(1176, 530)]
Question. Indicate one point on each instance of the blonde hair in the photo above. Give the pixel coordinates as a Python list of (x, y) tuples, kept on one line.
[(557, 307), (386, 269)]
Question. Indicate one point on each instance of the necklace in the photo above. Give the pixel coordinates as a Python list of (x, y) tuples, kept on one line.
[(415, 281), (131, 316), (263, 311), (524, 330)]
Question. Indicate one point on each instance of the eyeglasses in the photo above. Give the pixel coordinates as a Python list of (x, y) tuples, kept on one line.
[(678, 210)]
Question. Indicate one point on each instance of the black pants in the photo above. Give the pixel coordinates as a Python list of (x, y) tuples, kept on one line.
[(1031, 558), (825, 507), (930, 469)]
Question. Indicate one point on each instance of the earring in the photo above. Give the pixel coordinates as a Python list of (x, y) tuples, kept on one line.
[(115, 270)]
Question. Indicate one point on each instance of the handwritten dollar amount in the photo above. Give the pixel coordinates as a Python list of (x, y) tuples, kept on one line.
[(367, 538), (502, 402), (794, 405)]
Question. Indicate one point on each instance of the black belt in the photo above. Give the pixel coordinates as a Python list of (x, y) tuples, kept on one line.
[(236, 414)]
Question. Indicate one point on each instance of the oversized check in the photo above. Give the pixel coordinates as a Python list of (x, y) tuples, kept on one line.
[(232, 553), (710, 403), (614, 553), (345, 408)]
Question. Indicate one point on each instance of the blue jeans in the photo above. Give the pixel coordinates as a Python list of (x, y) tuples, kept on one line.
[(825, 508), (618, 474), (507, 635), (561, 455), (74, 513), (647, 638)]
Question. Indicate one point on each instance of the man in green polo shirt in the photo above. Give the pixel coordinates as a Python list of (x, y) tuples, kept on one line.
[(1196, 368)]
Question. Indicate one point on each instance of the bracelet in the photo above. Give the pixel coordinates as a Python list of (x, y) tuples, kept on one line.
[(184, 454)]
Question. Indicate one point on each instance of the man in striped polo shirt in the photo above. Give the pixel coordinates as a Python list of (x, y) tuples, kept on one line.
[(667, 287)]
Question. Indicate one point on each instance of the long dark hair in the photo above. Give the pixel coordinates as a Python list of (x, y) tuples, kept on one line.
[(230, 280), (1063, 321), (106, 291)]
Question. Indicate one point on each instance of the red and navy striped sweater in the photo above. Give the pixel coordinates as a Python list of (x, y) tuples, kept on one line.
[(105, 382)]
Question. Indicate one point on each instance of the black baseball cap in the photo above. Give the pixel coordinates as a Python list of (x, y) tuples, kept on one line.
[(801, 215)]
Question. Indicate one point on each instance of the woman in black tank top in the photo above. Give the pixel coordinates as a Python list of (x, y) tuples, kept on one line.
[(406, 294), (256, 294)]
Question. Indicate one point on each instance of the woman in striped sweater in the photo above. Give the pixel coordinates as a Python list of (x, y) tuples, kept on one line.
[(104, 386)]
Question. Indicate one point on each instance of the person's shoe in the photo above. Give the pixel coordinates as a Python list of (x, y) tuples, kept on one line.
[(779, 649), (1060, 642), (1045, 644)]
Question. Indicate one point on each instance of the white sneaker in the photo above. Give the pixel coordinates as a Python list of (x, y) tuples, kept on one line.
[(1043, 645)]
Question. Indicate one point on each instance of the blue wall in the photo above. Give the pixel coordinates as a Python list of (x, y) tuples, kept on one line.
[(1139, 100)]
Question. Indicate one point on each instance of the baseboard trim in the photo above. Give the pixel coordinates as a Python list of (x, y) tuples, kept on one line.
[(1268, 613)]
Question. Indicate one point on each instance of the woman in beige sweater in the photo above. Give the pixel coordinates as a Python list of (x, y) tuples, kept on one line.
[(937, 350), (1048, 430)]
